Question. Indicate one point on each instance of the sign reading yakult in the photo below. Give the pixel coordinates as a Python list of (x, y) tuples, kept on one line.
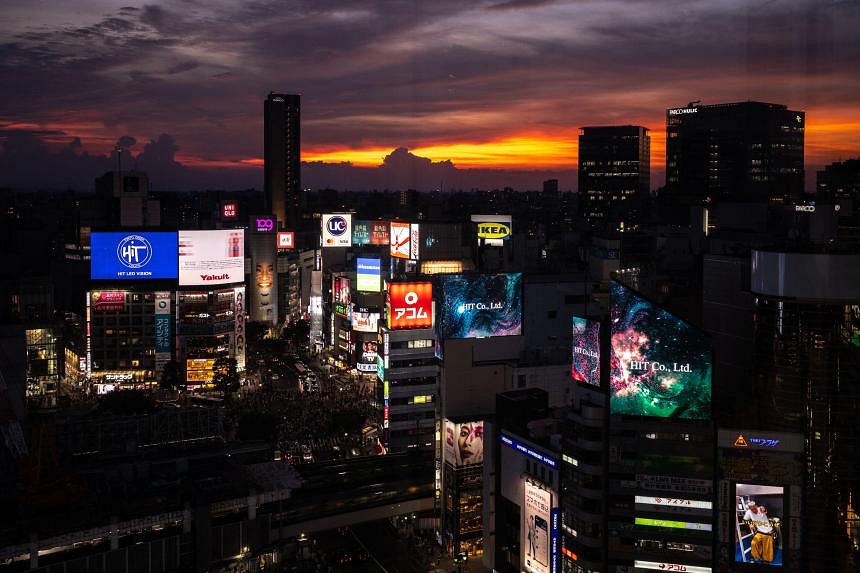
[(337, 230)]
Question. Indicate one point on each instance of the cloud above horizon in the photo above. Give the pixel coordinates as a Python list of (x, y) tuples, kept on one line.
[(449, 80)]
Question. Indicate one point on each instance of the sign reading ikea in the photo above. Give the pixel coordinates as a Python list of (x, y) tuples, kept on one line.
[(494, 230)]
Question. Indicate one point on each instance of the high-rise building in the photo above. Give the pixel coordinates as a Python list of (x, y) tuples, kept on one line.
[(282, 157), (840, 181), (747, 151), (614, 174)]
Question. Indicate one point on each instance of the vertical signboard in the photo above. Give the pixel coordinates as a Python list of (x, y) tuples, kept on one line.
[(414, 241), (585, 360), (537, 503), (401, 238), (163, 339), (264, 278), (239, 315)]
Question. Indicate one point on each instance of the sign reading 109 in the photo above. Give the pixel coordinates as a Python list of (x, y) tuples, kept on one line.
[(134, 256)]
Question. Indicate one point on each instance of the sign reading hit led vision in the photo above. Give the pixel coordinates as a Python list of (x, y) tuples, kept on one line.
[(337, 230), (660, 364), (138, 255)]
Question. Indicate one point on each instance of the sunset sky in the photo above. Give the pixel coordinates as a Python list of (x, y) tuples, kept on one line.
[(503, 85)]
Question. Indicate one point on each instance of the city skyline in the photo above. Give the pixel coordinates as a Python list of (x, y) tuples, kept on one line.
[(497, 85)]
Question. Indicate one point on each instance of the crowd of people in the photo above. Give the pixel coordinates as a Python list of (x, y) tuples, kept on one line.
[(329, 420)]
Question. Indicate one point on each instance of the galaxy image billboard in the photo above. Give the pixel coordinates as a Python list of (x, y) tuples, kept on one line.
[(660, 365), (481, 306), (585, 358)]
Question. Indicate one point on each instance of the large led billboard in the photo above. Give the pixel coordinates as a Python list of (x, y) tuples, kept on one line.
[(480, 306), (211, 257), (464, 443), (364, 321), (585, 359), (660, 365), (367, 272), (133, 255), (535, 532), (337, 230), (401, 240), (340, 294), (410, 305), (759, 521)]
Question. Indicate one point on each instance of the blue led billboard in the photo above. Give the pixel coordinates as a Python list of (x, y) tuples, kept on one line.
[(480, 306), (134, 255), (660, 364)]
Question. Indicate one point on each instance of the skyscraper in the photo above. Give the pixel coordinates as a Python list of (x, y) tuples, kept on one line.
[(614, 174), (282, 157), (746, 151)]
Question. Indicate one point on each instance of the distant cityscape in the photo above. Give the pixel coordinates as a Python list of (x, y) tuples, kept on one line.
[(621, 378)]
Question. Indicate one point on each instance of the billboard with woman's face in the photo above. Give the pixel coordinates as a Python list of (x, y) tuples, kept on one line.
[(464, 443)]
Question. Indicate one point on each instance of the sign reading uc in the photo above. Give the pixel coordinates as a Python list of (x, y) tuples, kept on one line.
[(337, 230), (494, 230)]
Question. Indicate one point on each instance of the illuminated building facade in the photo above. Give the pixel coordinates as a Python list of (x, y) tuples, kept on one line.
[(745, 151), (614, 175)]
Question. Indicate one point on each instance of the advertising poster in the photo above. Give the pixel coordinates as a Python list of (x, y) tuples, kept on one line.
[(535, 542), (480, 306), (660, 364), (414, 241), (337, 230), (360, 232), (211, 257), (340, 294), (759, 521), (199, 370), (410, 305), (367, 272), (264, 285), (364, 321), (163, 334), (464, 443), (379, 234), (135, 255), (367, 353), (239, 314), (107, 301), (401, 240), (585, 361)]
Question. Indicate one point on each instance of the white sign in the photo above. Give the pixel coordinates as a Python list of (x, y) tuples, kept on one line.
[(536, 528), (365, 321), (658, 566), (400, 240), (673, 502), (683, 111), (337, 230), (211, 257)]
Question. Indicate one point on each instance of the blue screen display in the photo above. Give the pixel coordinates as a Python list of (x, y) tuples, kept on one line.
[(480, 306), (134, 255)]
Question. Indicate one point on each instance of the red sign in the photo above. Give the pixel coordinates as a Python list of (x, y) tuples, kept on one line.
[(229, 211), (379, 233), (108, 301), (410, 305), (285, 240)]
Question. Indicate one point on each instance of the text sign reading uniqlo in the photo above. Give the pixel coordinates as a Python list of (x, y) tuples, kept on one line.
[(229, 211), (411, 305)]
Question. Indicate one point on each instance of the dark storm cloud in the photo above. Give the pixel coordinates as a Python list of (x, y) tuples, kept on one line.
[(391, 74)]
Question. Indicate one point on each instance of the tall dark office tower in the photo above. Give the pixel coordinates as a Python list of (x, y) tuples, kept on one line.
[(614, 174), (282, 157), (746, 151)]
